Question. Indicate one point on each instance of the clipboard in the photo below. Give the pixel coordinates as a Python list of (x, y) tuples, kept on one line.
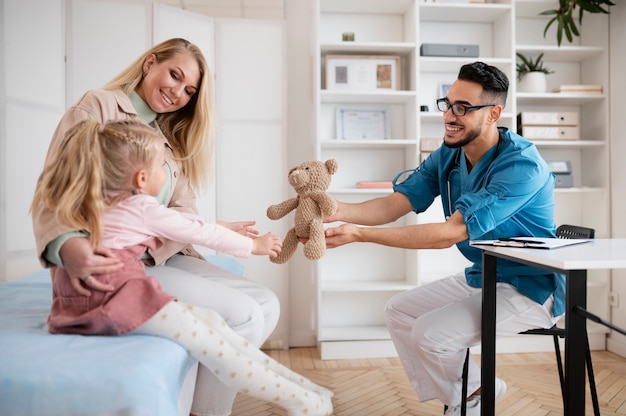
[(530, 242)]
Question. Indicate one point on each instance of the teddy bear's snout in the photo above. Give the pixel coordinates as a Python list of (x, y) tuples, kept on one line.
[(298, 178)]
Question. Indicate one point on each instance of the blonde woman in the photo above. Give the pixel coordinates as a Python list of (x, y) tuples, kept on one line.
[(110, 174), (169, 89)]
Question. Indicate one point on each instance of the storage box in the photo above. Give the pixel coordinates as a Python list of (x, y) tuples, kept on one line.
[(547, 118), (430, 144), (550, 132), (441, 49)]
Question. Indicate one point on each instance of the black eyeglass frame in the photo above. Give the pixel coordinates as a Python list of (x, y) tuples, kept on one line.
[(465, 108)]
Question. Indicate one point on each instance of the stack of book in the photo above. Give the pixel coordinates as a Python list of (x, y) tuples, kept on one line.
[(579, 89), (374, 185), (544, 125)]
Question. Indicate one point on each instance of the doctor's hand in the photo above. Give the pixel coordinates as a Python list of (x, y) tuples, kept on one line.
[(81, 261), (344, 234)]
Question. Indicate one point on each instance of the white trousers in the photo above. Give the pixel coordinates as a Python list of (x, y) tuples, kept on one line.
[(249, 308), (433, 325)]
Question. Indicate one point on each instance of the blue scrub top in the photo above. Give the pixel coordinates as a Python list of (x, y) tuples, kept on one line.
[(510, 192)]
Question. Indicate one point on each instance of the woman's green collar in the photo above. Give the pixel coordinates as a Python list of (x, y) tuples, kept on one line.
[(144, 112)]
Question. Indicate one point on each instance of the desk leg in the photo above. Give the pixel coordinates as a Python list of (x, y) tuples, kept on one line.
[(575, 327), (488, 336)]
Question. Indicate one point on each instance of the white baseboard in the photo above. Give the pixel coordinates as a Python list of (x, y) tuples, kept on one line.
[(616, 345), (337, 350)]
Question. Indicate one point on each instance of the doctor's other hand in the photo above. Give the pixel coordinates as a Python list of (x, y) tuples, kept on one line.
[(344, 234)]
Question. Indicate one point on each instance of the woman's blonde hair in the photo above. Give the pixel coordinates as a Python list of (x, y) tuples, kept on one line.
[(190, 130), (94, 169)]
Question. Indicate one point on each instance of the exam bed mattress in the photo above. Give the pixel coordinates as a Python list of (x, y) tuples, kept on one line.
[(48, 375)]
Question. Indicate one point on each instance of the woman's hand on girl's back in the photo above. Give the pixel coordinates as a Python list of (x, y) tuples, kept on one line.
[(81, 260)]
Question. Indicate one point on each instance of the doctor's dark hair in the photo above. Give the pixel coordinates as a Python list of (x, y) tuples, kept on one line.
[(494, 82)]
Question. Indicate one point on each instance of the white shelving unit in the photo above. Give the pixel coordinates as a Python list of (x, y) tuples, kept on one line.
[(585, 61), (355, 282)]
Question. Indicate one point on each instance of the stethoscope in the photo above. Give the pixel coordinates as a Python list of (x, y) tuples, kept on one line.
[(454, 166)]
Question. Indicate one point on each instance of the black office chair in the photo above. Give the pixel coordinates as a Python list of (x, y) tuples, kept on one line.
[(563, 231)]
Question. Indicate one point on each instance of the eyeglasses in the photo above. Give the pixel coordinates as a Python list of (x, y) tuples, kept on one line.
[(458, 110)]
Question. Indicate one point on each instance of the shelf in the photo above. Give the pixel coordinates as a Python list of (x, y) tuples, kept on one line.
[(463, 12), (571, 144), (360, 190), (584, 189), (561, 54), (381, 97), (364, 144), (365, 6), (369, 48), (436, 116), (360, 286), (560, 98), (352, 333), (445, 64)]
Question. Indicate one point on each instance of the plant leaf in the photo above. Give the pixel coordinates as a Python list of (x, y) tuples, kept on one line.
[(545, 31), (559, 31)]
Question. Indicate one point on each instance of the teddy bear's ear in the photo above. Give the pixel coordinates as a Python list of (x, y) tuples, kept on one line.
[(331, 166)]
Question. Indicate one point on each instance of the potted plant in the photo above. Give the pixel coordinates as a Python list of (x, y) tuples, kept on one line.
[(531, 74), (565, 21)]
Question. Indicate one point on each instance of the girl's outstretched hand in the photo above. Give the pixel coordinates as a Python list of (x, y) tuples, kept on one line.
[(241, 227), (268, 244)]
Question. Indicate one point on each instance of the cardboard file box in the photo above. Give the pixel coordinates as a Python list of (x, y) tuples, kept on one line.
[(550, 132), (543, 118)]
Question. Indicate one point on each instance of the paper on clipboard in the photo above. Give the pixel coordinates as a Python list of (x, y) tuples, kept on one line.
[(530, 242)]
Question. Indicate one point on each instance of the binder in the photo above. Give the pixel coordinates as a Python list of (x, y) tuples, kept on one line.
[(550, 132), (545, 118)]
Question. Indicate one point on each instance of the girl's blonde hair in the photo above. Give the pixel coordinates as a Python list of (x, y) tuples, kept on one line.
[(94, 169), (190, 130)]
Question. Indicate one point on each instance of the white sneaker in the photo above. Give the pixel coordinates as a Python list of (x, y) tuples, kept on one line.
[(500, 389), (472, 409), (473, 405)]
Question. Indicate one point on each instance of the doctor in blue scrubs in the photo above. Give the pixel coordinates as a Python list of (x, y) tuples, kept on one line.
[(493, 184)]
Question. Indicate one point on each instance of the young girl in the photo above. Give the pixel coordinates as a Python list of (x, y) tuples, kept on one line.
[(103, 180)]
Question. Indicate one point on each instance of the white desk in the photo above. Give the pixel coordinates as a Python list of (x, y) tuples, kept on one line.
[(573, 261)]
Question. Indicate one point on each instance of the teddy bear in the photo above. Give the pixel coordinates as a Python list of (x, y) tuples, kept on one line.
[(310, 180)]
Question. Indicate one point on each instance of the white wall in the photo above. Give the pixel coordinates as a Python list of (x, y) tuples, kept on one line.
[(617, 342), (300, 15), (32, 95), (250, 67)]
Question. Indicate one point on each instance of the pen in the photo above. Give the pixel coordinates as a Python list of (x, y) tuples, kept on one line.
[(520, 240)]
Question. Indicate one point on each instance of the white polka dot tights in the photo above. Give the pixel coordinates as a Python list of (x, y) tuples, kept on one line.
[(236, 362)]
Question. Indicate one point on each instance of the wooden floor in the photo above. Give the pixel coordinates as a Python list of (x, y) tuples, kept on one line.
[(379, 387)]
